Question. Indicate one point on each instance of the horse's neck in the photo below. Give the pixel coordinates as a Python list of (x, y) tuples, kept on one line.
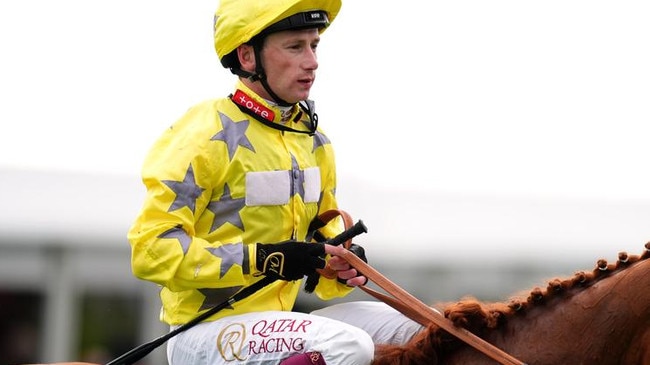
[(604, 323)]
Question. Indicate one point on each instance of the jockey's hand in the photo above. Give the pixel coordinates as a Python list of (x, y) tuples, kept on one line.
[(289, 260), (345, 273)]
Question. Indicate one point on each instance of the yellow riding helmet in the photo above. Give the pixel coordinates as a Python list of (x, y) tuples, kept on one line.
[(238, 21)]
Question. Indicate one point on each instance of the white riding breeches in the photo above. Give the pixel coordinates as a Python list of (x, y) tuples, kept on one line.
[(382, 322), (266, 338)]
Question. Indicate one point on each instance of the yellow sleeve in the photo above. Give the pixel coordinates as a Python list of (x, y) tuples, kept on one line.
[(179, 177)]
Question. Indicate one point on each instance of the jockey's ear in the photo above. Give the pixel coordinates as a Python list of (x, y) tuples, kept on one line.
[(246, 56)]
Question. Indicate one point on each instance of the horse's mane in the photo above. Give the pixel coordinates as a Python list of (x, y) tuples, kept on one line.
[(433, 343)]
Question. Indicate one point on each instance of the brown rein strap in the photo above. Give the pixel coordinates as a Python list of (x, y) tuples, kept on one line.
[(409, 305), (422, 313), (410, 312)]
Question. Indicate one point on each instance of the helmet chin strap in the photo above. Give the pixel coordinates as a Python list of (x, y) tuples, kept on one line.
[(261, 76)]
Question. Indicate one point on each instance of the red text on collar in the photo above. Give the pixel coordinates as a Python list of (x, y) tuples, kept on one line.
[(251, 104)]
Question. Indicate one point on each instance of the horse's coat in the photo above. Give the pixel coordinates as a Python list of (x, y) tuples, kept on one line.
[(598, 317)]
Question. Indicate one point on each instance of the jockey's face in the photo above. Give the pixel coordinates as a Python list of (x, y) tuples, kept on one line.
[(290, 63)]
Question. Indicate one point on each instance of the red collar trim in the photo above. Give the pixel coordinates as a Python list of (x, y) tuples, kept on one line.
[(242, 99)]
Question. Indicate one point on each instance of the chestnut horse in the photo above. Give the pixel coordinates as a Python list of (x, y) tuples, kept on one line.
[(597, 317)]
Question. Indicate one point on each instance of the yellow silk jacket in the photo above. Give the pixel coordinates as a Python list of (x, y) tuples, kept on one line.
[(217, 181)]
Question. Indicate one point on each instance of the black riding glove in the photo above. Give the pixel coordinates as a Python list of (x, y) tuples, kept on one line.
[(289, 260)]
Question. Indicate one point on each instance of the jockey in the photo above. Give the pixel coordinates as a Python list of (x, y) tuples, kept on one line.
[(232, 188)]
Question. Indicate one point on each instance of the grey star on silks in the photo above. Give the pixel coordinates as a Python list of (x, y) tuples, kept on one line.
[(233, 134), (297, 179), (320, 140), (215, 297), (226, 210), (230, 255), (178, 233), (187, 191)]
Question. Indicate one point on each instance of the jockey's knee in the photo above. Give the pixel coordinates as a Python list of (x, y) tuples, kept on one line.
[(350, 346), (364, 348)]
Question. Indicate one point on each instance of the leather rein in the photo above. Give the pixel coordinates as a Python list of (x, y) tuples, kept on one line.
[(403, 301)]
